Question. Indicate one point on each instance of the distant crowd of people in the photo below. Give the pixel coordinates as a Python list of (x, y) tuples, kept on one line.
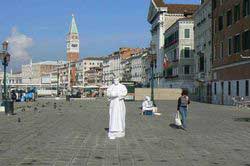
[(21, 95)]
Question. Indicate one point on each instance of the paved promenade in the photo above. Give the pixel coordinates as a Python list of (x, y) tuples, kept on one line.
[(75, 134)]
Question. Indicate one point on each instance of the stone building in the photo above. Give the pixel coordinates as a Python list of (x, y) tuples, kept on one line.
[(161, 16), (231, 50), (11, 78), (94, 76), (127, 67), (64, 69), (113, 66), (60, 74), (203, 51), (84, 65), (137, 68), (106, 73), (147, 68), (178, 49), (51, 79), (126, 52), (133, 68), (32, 73)]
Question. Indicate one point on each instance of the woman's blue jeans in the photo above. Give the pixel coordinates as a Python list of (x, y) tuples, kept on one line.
[(183, 112)]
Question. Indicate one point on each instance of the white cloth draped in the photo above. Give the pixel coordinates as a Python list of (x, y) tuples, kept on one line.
[(117, 110), (147, 106)]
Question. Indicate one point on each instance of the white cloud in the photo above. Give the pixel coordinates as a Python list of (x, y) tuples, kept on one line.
[(18, 45)]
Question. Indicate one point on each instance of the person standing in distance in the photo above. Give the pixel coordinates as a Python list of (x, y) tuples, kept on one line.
[(117, 110)]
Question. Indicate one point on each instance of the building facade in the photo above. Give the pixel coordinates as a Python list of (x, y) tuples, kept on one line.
[(137, 68), (84, 65), (115, 68), (161, 16), (51, 79), (231, 50), (32, 73), (179, 57), (59, 75), (94, 76), (127, 67), (146, 68), (73, 45), (11, 78), (133, 68), (113, 64), (203, 51), (106, 73)]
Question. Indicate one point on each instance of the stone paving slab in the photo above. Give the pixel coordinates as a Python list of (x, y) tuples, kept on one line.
[(74, 133)]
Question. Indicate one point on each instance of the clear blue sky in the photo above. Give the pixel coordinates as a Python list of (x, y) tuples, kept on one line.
[(104, 25)]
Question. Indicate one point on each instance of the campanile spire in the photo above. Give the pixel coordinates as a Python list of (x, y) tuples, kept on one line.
[(73, 26)]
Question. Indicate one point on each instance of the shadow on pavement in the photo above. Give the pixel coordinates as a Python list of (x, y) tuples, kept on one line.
[(242, 119), (106, 129), (174, 126)]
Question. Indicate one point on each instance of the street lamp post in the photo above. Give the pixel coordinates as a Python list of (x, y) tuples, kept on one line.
[(57, 85), (152, 65), (69, 75), (5, 57), (152, 80), (5, 64)]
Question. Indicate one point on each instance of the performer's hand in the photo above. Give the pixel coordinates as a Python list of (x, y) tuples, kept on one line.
[(121, 98)]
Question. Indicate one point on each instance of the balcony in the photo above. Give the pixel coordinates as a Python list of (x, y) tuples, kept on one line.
[(180, 77), (171, 43), (158, 75), (175, 60), (201, 75), (171, 76), (187, 77)]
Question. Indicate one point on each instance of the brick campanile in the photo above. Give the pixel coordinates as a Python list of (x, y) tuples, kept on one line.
[(73, 44)]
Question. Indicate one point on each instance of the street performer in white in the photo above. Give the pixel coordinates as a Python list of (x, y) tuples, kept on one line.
[(117, 110)]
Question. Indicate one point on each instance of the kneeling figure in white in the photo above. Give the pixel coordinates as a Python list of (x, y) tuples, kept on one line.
[(148, 105), (117, 110)]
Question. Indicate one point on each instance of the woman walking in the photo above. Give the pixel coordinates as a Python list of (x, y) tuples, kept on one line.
[(182, 107)]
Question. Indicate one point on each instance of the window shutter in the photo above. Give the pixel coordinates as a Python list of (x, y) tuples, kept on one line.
[(243, 41), (244, 8)]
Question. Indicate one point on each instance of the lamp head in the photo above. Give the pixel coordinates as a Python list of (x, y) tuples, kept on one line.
[(5, 45), (7, 56)]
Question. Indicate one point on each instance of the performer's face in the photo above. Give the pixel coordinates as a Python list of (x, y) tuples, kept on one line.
[(116, 81)]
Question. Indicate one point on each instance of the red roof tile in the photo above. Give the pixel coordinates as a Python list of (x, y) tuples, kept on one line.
[(182, 8), (159, 3), (177, 8)]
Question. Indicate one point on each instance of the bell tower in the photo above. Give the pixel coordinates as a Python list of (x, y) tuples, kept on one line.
[(73, 42)]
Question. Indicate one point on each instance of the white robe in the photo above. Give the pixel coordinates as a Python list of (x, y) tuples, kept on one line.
[(117, 110), (147, 106)]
